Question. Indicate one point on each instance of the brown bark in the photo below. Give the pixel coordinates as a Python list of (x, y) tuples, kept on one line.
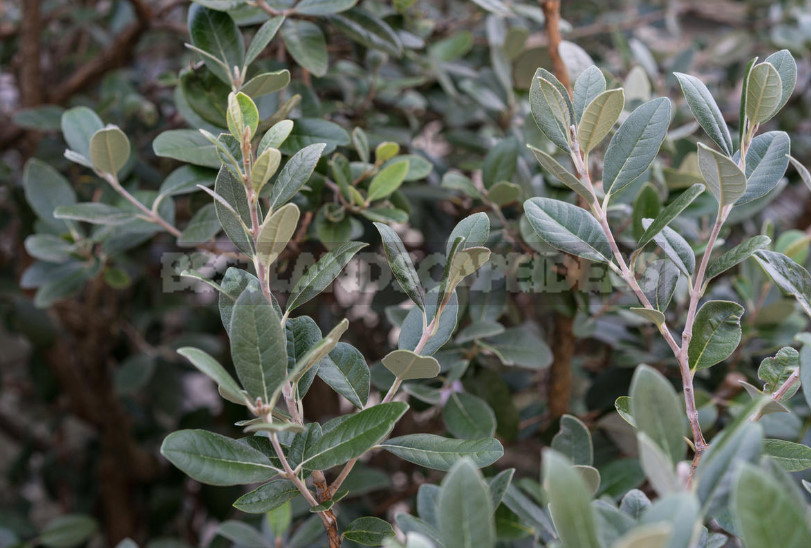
[(551, 10), (30, 76)]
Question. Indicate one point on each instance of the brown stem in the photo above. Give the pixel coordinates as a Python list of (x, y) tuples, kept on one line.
[(551, 10), (559, 387)]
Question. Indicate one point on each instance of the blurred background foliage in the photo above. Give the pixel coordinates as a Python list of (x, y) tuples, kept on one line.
[(90, 383)]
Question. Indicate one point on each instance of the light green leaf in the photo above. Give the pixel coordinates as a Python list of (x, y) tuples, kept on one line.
[(275, 136), (203, 226), (573, 441), (657, 411), (764, 91), (216, 33), (669, 213), (766, 515), (681, 511), (68, 531), (742, 110), (636, 143), (500, 162), (216, 460), (469, 417), (786, 67), (659, 470), (109, 150), (564, 175), (368, 531), (265, 167), (675, 247), (295, 173), (776, 370), (623, 408), (401, 265), (95, 213), (353, 436), (790, 277), (650, 315), (440, 453), (187, 145), (275, 233), (737, 255), (569, 502), (387, 181), (261, 39), (550, 111), (519, 346), (588, 85), (406, 365), (241, 113), (705, 110), (320, 275), (716, 334), (267, 82), (599, 117), (79, 124), (724, 178), (306, 44), (466, 509), (568, 228), (258, 345), (475, 230), (464, 263), (792, 457), (267, 497), (49, 248), (211, 368)]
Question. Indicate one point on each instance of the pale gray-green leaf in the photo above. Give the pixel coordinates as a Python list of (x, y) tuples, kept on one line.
[(568, 228), (440, 453)]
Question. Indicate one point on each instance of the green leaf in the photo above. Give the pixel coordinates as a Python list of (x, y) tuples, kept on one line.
[(361, 142), (588, 85), (310, 131), (275, 233), (742, 110), (766, 515), (45, 190), (764, 91), (241, 534), (683, 513), (657, 411), (353, 436), (599, 117), (267, 497), (475, 230), (216, 33), (766, 163), (258, 345), (519, 346), (786, 67), (550, 111), (187, 145), (569, 502), (241, 113), (306, 44), (441, 453), (466, 509), (68, 531), (623, 408), (569, 228), (411, 329), (387, 181), (216, 460), (78, 126), (211, 368), (185, 179), (573, 441), (500, 162), (95, 213), (675, 247), (776, 370), (49, 248), (469, 417), (635, 145), (716, 334), (504, 193), (233, 210), (737, 255), (659, 470), (790, 277), (367, 29), (564, 175), (705, 110), (320, 275), (724, 178), (295, 173), (368, 531), (792, 457), (401, 265), (659, 282), (275, 136), (265, 167), (406, 365), (261, 39), (267, 82), (109, 150), (673, 210), (346, 372), (203, 226)]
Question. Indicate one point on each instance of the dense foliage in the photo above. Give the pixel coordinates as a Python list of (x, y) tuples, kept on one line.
[(361, 273)]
